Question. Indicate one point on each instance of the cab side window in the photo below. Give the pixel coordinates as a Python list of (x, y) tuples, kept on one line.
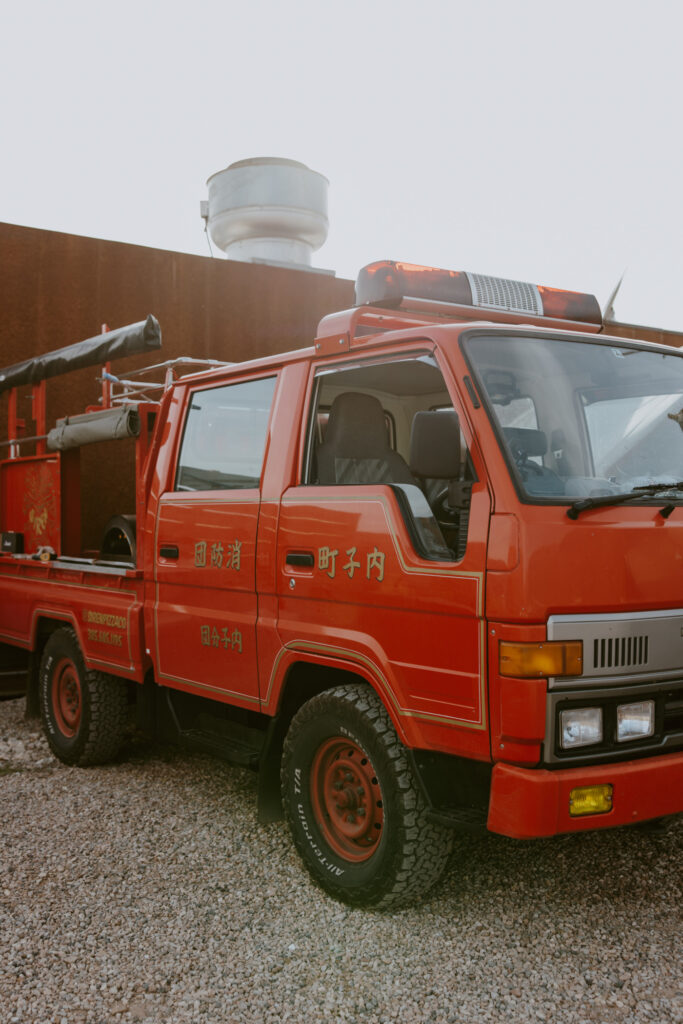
[(225, 437), (393, 423)]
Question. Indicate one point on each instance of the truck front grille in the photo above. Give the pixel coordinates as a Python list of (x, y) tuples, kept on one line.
[(673, 712), (628, 648), (620, 651)]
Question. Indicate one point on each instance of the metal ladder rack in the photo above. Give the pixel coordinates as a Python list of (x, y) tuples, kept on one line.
[(135, 388)]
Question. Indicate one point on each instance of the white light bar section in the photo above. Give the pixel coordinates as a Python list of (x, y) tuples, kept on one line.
[(500, 293)]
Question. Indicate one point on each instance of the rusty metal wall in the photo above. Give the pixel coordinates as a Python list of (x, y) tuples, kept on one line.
[(641, 333), (56, 289)]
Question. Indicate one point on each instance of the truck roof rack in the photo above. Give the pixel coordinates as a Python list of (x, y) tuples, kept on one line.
[(143, 386)]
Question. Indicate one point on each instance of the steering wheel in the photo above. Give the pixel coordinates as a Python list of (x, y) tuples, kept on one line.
[(524, 463), (444, 513)]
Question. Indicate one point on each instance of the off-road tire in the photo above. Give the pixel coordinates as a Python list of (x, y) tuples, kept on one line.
[(392, 855), (83, 712)]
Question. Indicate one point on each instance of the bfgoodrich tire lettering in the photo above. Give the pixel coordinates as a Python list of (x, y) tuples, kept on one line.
[(83, 712), (357, 816)]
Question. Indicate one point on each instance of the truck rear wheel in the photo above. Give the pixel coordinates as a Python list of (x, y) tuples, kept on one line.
[(357, 815), (83, 712)]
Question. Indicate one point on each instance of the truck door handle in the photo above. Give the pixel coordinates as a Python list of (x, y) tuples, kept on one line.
[(169, 551), (300, 558)]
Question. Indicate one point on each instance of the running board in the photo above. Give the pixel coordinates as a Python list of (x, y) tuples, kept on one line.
[(463, 819), (228, 748), (197, 728)]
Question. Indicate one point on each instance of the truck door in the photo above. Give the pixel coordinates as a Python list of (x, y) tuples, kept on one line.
[(205, 605), (381, 549)]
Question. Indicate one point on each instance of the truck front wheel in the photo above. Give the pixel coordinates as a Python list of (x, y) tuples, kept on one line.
[(357, 815), (83, 712)]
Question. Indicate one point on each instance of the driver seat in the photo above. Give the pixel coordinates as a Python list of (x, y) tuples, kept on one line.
[(526, 445), (356, 448), (435, 449)]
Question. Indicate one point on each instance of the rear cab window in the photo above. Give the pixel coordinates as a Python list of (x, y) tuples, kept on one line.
[(224, 439)]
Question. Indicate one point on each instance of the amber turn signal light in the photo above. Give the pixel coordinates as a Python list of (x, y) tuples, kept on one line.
[(549, 658)]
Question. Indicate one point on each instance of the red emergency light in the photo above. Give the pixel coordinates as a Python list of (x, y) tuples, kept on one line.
[(404, 285)]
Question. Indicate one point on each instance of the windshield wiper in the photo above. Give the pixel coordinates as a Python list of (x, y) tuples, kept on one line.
[(583, 504)]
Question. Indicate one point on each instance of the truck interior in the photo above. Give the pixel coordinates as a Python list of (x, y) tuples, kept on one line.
[(391, 421), (581, 418)]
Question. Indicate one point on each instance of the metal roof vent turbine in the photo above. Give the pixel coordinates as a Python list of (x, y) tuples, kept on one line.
[(267, 210)]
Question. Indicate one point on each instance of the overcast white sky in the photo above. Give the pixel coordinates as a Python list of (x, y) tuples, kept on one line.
[(534, 140)]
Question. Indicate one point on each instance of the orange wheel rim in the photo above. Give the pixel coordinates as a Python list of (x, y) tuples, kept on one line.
[(66, 697), (347, 799)]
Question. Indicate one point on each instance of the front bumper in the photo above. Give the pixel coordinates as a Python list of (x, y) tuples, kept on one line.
[(528, 803)]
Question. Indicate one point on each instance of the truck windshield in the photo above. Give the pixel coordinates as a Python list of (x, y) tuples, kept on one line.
[(581, 419)]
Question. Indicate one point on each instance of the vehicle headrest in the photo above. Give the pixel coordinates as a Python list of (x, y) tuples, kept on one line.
[(356, 427), (435, 445)]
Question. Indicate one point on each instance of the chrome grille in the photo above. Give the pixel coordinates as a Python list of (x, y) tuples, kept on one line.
[(622, 646), (620, 651)]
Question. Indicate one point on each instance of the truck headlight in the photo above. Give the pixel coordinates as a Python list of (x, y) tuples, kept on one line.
[(635, 721), (580, 727)]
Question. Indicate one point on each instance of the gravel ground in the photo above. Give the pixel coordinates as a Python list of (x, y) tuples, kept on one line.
[(146, 891)]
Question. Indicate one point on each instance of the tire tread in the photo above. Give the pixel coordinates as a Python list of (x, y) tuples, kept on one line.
[(425, 846), (104, 711)]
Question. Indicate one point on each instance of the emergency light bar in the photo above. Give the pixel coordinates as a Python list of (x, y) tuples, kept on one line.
[(396, 285)]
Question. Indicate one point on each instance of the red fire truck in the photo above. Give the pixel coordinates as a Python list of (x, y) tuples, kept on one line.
[(425, 575)]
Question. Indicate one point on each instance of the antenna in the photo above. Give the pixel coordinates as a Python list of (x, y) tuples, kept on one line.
[(608, 312), (204, 214)]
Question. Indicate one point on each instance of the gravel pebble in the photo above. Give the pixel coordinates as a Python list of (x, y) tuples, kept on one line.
[(145, 892)]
